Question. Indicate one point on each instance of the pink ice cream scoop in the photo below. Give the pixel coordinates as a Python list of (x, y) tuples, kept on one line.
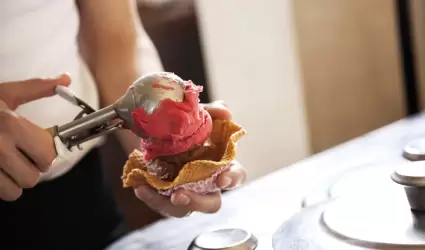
[(177, 126)]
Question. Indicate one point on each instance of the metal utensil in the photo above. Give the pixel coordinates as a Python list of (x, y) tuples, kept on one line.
[(412, 178), (146, 92), (415, 150), (383, 217), (231, 238)]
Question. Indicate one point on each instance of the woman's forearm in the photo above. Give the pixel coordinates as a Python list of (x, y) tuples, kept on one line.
[(110, 41)]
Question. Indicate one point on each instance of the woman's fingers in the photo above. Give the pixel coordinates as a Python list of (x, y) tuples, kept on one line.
[(18, 167), (207, 203), (159, 203), (217, 110), (9, 190), (180, 203), (17, 93), (37, 143), (232, 177), (183, 201)]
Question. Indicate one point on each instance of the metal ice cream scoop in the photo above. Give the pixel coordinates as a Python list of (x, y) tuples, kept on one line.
[(143, 93)]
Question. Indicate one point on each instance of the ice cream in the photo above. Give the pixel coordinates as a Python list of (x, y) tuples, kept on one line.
[(184, 146), (176, 126), (168, 167)]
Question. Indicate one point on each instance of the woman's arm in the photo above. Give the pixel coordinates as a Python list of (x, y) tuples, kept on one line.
[(111, 44)]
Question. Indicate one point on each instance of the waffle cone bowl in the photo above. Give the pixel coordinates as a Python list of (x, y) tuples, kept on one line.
[(200, 172)]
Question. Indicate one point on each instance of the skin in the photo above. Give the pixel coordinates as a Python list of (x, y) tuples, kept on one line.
[(19, 135), (183, 202), (109, 41)]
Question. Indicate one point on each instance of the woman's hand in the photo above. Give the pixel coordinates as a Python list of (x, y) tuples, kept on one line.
[(183, 202), (19, 138)]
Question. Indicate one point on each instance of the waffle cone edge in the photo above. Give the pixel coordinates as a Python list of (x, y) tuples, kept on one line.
[(224, 135)]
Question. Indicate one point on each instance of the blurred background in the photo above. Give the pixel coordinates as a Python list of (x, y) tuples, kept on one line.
[(300, 75)]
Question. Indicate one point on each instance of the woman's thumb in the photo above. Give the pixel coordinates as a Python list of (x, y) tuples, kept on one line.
[(21, 92)]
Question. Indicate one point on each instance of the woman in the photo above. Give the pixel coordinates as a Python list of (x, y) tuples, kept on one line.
[(103, 47)]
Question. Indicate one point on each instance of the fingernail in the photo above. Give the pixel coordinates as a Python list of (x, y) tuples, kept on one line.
[(226, 182), (181, 200), (65, 78), (143, 193)]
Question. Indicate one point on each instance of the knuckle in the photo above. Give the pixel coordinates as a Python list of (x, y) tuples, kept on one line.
[(210, 206), (45, 164), (4, 141), (7, 100), (8, 120), (3, 105), (47, 155), (5, 159), (30, 180), (215, 208)]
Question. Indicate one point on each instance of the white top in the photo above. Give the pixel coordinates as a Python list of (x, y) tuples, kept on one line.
[(38, 39)]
